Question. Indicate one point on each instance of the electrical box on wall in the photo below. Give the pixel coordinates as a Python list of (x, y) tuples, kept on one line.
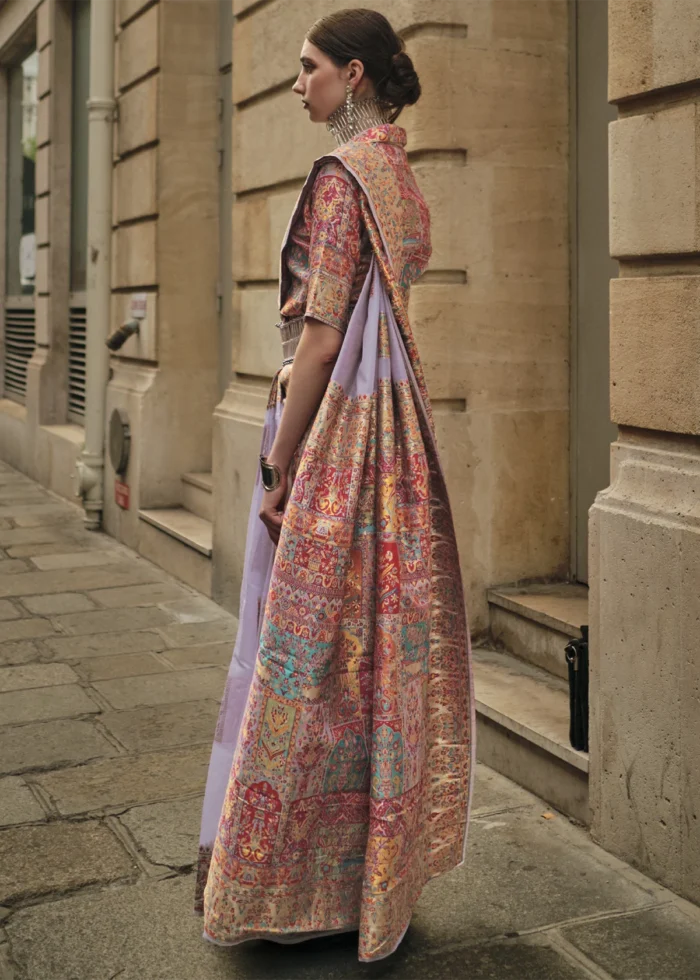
[(119, 451)]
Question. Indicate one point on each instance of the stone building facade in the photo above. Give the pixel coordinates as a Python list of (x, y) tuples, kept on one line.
[(645, 547), (510, 147)]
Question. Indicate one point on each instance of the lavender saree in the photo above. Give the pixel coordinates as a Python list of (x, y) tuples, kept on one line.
[(341, 771)]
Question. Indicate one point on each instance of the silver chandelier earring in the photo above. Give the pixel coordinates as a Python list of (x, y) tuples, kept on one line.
[(349, 99)]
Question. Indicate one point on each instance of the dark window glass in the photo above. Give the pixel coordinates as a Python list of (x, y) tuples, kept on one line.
[(79, 145), (21, 176)]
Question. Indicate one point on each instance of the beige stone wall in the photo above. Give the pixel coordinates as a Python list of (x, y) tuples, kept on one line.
[(36, 436), (489, 144), (645, 546), (48, 372), (166, 245)]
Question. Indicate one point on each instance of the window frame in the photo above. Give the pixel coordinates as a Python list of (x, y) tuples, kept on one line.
[(13, 304)]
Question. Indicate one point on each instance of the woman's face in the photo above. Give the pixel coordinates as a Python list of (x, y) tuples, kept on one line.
[(321, 84)]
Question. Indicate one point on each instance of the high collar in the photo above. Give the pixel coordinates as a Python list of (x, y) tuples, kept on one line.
[(386, 133)]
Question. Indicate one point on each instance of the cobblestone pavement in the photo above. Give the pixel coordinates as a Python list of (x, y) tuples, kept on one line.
[(110, 671)]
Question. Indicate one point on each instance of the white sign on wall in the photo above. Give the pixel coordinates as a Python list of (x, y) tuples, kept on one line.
[(137, 309), (27, 259)]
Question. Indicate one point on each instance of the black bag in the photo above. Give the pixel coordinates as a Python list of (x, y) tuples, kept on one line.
[(577, 659)]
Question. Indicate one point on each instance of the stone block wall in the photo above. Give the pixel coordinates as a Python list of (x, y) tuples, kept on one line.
[(645, 540), (166, 197), (36, 436), (48, 371), (489, 144)]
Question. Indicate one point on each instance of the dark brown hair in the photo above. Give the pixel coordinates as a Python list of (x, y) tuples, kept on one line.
[(369, 37)]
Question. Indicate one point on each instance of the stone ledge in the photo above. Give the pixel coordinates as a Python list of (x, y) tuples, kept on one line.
[(13, 409), (561, 607), (182, 525), (186, 563), (527, 702)]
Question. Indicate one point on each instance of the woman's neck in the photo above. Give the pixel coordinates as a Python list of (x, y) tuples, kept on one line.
[(349, 120)]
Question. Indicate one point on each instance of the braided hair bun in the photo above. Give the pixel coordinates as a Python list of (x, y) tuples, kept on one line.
[(402, 86)]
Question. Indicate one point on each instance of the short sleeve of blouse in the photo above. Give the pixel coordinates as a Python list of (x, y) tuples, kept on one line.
[(334, 247)]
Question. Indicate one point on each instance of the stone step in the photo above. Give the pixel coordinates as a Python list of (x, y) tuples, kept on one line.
[(535, 622), (523, 730), (180, 542), (197, 495)]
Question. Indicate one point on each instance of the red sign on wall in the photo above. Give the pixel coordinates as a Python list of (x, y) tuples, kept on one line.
[(121, 494)]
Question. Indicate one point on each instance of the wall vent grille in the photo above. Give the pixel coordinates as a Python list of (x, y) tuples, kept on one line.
[(20, 324), (77, 340)]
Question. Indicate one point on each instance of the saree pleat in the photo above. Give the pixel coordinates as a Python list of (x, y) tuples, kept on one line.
[(341, 773)]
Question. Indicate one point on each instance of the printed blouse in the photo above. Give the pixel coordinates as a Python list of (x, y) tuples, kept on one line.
[(329, 252)]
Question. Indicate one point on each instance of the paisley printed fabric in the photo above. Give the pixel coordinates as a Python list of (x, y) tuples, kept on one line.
[(328, 253), (341, 773)]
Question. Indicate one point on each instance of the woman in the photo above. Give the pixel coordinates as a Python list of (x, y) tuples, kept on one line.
[(341, 771)]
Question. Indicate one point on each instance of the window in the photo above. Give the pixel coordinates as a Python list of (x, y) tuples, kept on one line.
[(79, 145), (77, 322), (20, 238)]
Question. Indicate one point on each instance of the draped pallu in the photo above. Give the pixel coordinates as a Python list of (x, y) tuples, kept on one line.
[(341, 773)]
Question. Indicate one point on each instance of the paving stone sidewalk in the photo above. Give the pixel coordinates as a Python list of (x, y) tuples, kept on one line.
[(110, 674)]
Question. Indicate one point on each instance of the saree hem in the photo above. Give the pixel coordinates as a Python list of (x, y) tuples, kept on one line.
[(293, 940), (282, 939)]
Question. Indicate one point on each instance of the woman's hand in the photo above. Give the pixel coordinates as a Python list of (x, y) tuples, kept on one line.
[(311, 371), (272, 509)]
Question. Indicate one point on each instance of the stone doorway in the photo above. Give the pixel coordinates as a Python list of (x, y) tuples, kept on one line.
[(592, 269), (225, 289)]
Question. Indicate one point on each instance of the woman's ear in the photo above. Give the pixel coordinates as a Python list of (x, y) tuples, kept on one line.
[(356, 71)]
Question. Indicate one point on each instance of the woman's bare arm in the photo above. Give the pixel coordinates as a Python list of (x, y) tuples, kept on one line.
[(312, 368), (315, 356)]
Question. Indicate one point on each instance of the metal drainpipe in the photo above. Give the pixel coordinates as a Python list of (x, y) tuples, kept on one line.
[(101, 110)]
